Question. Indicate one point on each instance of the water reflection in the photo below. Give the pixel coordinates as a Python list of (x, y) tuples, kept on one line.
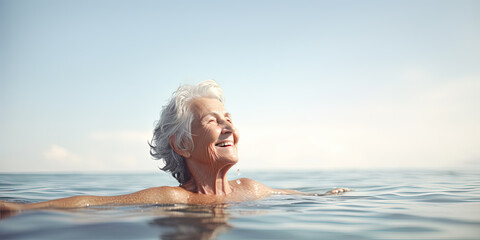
[(5, 215), (193, 222)]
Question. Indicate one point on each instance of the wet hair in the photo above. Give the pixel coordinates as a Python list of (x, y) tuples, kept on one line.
[(176, 120)]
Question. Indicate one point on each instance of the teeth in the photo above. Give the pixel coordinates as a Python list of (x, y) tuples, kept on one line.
[(225, 144)]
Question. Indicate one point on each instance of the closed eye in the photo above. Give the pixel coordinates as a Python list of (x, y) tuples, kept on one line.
[(228, 117), (212, 120)]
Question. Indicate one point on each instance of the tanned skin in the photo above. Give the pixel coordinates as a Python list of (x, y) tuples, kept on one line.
[(215, 151)]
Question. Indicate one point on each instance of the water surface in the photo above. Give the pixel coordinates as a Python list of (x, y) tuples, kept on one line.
[(384, 205)]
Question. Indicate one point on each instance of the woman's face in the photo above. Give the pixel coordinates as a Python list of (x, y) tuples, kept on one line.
[(215, 138)]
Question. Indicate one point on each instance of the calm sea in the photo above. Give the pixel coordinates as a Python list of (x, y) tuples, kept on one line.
[(384, 205)]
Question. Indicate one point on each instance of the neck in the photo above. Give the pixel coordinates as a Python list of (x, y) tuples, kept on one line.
[(208, 180)]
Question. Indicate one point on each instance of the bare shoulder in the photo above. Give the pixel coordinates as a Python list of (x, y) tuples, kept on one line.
[(162, 195), (252, 186), (264, 190), (247, 182)]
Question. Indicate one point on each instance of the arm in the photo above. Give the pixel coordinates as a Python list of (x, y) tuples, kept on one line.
[(263, 191), (295, 192), (337, 191), (151, 195)]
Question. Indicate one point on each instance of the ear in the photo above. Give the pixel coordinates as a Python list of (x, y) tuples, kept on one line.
[(183, 153)]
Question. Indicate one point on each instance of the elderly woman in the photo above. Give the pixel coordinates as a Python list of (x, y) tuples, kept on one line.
[(198, 142)]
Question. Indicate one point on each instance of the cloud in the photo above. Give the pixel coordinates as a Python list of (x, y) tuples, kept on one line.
[(60, 159), (104, 151), (122, 150), (57, 153)]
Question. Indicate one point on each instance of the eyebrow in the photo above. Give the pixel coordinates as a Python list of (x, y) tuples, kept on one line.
[(227, 114)]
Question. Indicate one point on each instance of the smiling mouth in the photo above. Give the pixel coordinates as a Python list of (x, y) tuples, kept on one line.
[(224, 144)]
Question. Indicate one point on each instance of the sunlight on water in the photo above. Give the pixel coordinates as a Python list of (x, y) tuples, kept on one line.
[(384, 205)]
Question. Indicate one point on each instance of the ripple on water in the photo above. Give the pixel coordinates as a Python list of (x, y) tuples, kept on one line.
[(384, 205)]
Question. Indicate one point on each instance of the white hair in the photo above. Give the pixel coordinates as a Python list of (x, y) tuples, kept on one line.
[(176, 120)]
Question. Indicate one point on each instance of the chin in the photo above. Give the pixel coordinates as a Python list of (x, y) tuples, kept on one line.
[(235, 161), (227, 155), (230, 160)]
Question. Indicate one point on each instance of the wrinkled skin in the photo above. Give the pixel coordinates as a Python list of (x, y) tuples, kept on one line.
[(214, 152)]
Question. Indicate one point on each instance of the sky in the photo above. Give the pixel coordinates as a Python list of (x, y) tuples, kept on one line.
[(310, 84)]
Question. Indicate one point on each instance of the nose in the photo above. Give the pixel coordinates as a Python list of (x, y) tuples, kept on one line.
[(227, 127)]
